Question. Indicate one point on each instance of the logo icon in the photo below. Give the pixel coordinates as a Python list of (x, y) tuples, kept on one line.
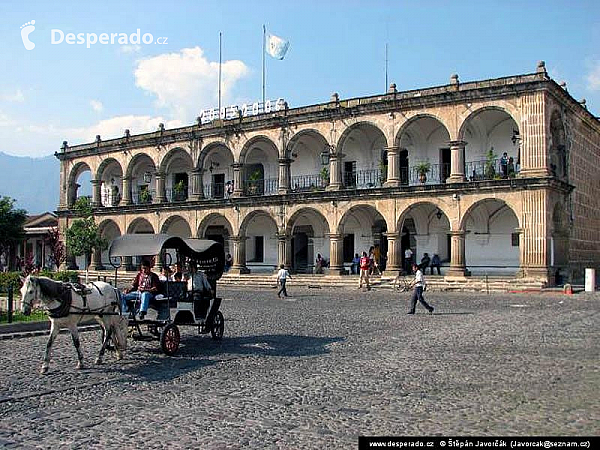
[(26, 30)]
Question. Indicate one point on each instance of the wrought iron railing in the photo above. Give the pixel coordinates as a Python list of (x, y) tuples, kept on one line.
[(313, 182), (437, 174), (490, 170), (143, 197), (177, 195), (363, 179), (214, 190), (261, 187)]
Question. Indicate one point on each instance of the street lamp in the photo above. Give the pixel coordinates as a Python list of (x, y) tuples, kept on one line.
[(325, 155)]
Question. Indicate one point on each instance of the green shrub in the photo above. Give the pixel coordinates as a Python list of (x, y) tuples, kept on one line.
[(10, 279)]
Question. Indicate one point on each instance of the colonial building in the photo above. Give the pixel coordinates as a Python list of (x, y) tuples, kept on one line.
[(497, 176)]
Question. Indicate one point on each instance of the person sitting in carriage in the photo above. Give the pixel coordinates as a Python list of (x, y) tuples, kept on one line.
[(202, 291), (145, 286)]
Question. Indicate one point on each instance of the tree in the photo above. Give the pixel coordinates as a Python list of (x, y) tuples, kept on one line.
[(82, 236), (58, 252), (11, 226)]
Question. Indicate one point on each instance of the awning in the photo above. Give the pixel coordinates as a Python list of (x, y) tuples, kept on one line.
[(208, 255)]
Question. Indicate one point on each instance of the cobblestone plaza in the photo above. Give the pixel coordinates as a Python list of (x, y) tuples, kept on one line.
[(316, 371)]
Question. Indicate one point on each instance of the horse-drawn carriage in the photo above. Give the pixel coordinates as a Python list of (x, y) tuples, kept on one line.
[(68, 304), (176, 305)]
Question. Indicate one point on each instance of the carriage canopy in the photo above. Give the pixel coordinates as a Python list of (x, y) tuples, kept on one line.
[(208, 255)]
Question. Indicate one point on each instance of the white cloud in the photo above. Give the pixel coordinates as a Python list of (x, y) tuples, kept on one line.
[(185, 82), (593, 76), (96, 105), (43, 140), (16, 97), (130, 48)]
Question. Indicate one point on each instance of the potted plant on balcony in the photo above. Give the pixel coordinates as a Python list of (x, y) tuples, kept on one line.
[(145, 196), (180, 191), (254, 182), (423, 169), (324, 176), (490, 164)]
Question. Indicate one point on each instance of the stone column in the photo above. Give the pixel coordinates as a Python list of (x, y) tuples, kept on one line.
[(283, 242), (161, 195), (64, 190), (196, 185), (238, 188), (534, 147), (97, 260), (72, 193), (96, 194), (457, 257), (239, 255), (534, 241), (336, 263), (394, 259), (158, 264), (457, 162), (393, 167), (126, 189), (284, 176), (335, 176)]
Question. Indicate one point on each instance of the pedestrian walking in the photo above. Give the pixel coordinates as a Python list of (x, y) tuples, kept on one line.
[(282, 277), (365, 264), (419, 285)]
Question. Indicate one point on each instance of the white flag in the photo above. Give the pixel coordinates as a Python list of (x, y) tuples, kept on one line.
[(276, 47)]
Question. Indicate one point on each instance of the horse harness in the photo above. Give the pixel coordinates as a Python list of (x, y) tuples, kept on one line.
[(65, 298)]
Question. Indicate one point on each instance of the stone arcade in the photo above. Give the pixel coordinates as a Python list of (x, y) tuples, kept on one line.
[(419, 168)]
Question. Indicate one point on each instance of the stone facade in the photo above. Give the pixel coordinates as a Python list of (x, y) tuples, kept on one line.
[(339, 177)]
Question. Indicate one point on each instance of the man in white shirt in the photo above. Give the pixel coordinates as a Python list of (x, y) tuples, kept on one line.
[(407, 259), (282, 277), (419, 284)]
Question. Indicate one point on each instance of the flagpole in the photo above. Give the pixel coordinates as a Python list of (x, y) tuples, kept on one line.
[(220, 63), (263, 64), (386, 67)]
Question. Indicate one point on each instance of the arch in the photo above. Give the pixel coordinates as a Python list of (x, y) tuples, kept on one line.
[(489, 134), (172, 156), (252, 143), (77, 170), (358, 126), (492, 241), (105, 165), (481, 110), (211, 219), (558, 145), (210, 148), (416, 118), (176, 226), (136, 160), (309, 133), (362, 227), (108, 230), (251, 216), (260, 230), (424, 228), (140, 226), (309, 232)]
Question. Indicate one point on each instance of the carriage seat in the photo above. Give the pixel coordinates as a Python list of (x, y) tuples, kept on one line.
[(171, 292)]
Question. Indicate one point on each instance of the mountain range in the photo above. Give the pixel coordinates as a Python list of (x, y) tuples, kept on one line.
[(32, 182)]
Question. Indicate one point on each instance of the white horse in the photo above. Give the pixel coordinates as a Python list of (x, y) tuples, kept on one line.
[(66, 308)]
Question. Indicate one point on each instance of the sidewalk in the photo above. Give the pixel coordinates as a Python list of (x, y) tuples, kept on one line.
[(39, 328)]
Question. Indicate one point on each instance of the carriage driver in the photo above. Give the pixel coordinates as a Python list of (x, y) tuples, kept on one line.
[(202, 290), (144, 287)]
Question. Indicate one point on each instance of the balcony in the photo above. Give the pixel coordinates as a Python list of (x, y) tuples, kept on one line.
[(214, 190), (144, 197), (489, 170), (307, 183), (177, 195), (363, 179), (261, 187)]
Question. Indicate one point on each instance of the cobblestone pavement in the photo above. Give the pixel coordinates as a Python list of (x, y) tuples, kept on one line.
[(316, 371)]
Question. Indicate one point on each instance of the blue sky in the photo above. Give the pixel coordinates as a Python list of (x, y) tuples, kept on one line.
[(58, 92)]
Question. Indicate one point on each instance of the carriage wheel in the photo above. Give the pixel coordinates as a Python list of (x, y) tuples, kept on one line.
[(169, 339), (218, 326)]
